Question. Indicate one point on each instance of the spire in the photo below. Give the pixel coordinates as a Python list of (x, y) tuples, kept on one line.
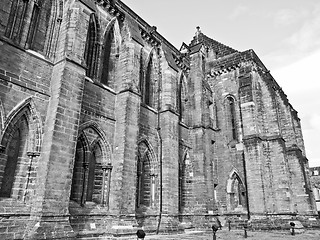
[(198, 32)]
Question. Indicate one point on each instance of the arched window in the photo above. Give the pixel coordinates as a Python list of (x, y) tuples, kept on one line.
[(33, 25), (95, 176), (182, 99), (203, 64), (141, 75), (39, 25), (87, 175), (182, 184), (91, 175), (213, 116), (149, 80), (110, 54), (139, 182), (91, 47), (231, 114), (146, 190), (21, 141), (216, 116), (16, 20), (87, 182), (78, 172), (145, 183), (185, 177), (53, 31), (148, 91), (237, 193), (14, 157)]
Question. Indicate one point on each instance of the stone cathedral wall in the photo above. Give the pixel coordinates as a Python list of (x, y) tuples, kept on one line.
[(107, 128)]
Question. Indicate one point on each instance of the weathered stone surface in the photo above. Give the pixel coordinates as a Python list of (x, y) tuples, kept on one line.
[(107, 128)]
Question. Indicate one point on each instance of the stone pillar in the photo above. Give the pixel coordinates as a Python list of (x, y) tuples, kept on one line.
[(124, 173), (50, 216), (196, 88), (302, 193), (50, 213), (170, 168), (255, 180), (127, 112), (199, 137), (209, 171)]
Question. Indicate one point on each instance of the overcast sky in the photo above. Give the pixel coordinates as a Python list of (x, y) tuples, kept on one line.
[(284, 33)]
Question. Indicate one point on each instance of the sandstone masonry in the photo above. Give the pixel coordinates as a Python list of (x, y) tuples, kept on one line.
[(105, 128)]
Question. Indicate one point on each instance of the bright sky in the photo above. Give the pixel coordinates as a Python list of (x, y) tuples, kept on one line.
[(284, 33)]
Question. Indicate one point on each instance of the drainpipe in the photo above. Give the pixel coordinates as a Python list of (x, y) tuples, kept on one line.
[(160, 148), (31, 156), (243, 157)]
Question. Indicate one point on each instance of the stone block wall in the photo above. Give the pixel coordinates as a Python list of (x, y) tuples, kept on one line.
[(115, 129), (24, 91)]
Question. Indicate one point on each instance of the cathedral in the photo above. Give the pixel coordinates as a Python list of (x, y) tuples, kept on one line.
[(106, 128)]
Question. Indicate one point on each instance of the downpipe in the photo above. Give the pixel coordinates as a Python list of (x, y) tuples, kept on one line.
[(243, 157), (160, 146)]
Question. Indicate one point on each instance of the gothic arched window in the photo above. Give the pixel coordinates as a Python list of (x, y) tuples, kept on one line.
[(185, 176), (146, 190), (236, 193), (140, 173), (231, 112), (91, 47), (78, 172), (182, 184), (33, 25), (91, 177), (108, 61), (145, 182), (182, 100), (87, 176), (16, 20), (15, 152), (39, 25), (148, 91)]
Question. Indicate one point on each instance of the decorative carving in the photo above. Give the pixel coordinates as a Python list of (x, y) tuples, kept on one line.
[(110, 6), (180, 63), (148, 36)]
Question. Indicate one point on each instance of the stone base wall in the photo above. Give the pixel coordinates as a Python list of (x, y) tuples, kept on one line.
[(281, 222), (13, 226), (49, 227), (105, 225)]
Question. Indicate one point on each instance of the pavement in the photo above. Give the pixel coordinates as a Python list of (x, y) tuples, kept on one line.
[(239, 234)]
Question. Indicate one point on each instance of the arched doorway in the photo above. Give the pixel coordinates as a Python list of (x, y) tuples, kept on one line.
[(236, 191)]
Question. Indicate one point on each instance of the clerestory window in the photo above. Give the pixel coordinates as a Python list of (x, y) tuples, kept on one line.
[(16, 20)]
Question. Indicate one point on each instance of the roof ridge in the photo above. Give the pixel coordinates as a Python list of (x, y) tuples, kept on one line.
[(220, 48), (210, 39), (200, 37)]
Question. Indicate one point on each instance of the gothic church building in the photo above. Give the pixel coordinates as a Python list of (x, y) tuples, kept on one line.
[(106, 127)]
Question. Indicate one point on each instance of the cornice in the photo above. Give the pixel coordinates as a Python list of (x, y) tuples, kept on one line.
[(148, 35), (111, 7), (180, 63)]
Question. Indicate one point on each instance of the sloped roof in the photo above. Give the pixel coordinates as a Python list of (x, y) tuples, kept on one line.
[(221, 49), (235, 59)]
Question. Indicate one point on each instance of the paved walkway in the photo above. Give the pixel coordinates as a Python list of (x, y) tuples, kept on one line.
[(239, 234)]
